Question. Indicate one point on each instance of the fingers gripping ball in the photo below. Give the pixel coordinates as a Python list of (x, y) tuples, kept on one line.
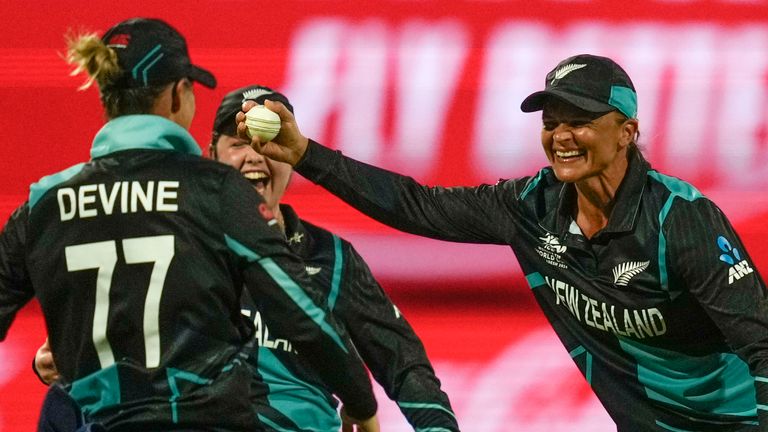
[(262, 122)]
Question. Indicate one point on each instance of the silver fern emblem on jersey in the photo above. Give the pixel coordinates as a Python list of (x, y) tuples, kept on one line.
[(622, 273), (312, 270), (565, 70)]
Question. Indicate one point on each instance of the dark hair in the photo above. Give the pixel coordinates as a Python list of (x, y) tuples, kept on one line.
[(212, 147), (89, 54)]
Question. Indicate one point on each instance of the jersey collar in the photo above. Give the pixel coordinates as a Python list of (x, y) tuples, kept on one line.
[(625, 211), (295, 232), (142, 131)]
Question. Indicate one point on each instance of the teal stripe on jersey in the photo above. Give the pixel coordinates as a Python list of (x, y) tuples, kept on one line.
[(532, 183), (678, 188), (97, 391), (670, 428), (432, 429), (37, 190), (761, 379), (178, 374), (718, 383), (306, 405), (422, 405), (337, 267), (762, 407), (276, 427), (587, 361), (535, 280), (294, 291)]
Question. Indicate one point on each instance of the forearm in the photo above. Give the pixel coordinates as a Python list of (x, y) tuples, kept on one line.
[(453, 214)]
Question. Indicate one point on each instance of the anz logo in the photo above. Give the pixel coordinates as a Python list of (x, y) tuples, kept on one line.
[(731, 256)]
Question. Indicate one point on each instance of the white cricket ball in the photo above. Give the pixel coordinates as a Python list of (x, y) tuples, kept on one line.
[(262, 122)]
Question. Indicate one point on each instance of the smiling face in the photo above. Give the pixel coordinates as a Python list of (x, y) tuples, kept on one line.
[(268, 177), (582, 145)]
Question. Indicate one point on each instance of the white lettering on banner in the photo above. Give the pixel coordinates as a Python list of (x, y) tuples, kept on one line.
[(694, 65), (430, 59), (744, 106), (339, 69), (506, 141), (346, 70), (703, 101)]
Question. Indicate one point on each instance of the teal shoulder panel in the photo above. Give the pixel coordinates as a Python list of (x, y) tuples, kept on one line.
[(37, 190), (677, 189), (532, 183)]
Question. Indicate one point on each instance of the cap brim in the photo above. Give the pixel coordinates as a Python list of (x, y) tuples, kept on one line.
[(535, 102), (202, 76)]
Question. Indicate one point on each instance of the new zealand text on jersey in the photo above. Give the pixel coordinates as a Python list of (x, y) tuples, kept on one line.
[(102, 199), (262, 334), (638, 323)]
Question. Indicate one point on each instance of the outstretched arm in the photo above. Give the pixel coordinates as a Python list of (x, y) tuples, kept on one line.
[(483, 214)]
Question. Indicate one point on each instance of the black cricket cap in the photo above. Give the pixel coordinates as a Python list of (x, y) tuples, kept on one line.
[(592, 83), (224, 123), (152, 53)]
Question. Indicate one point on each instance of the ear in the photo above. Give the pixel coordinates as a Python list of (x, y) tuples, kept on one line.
[(176, 91), (212, 151), (628, 132)]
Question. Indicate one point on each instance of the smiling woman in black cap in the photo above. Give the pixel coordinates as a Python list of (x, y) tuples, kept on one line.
[(643, 278), (139, 256)]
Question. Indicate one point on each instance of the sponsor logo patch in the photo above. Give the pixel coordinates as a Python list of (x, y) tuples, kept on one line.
[(551, 250), (738, 268)]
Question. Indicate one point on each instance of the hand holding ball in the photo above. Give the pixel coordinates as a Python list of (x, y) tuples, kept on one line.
[(263, 123)]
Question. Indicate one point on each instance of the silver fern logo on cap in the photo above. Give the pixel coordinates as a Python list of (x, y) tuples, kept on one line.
[(255, 93), (561, 72), (622, 273)]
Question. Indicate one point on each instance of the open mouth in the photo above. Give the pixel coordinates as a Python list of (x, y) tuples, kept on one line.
[(258, 179), (569, 155)]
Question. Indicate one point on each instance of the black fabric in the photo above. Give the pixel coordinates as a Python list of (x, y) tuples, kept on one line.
[(140, 285), (584, 80), (663, 298), (151, 53), (380, 333)]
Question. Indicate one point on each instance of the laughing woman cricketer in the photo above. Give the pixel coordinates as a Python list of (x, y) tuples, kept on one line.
[(643, 278)]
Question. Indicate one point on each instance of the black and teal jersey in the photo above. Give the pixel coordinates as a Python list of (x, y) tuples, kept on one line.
[(297, 400), (662, 310), (139, 258)]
